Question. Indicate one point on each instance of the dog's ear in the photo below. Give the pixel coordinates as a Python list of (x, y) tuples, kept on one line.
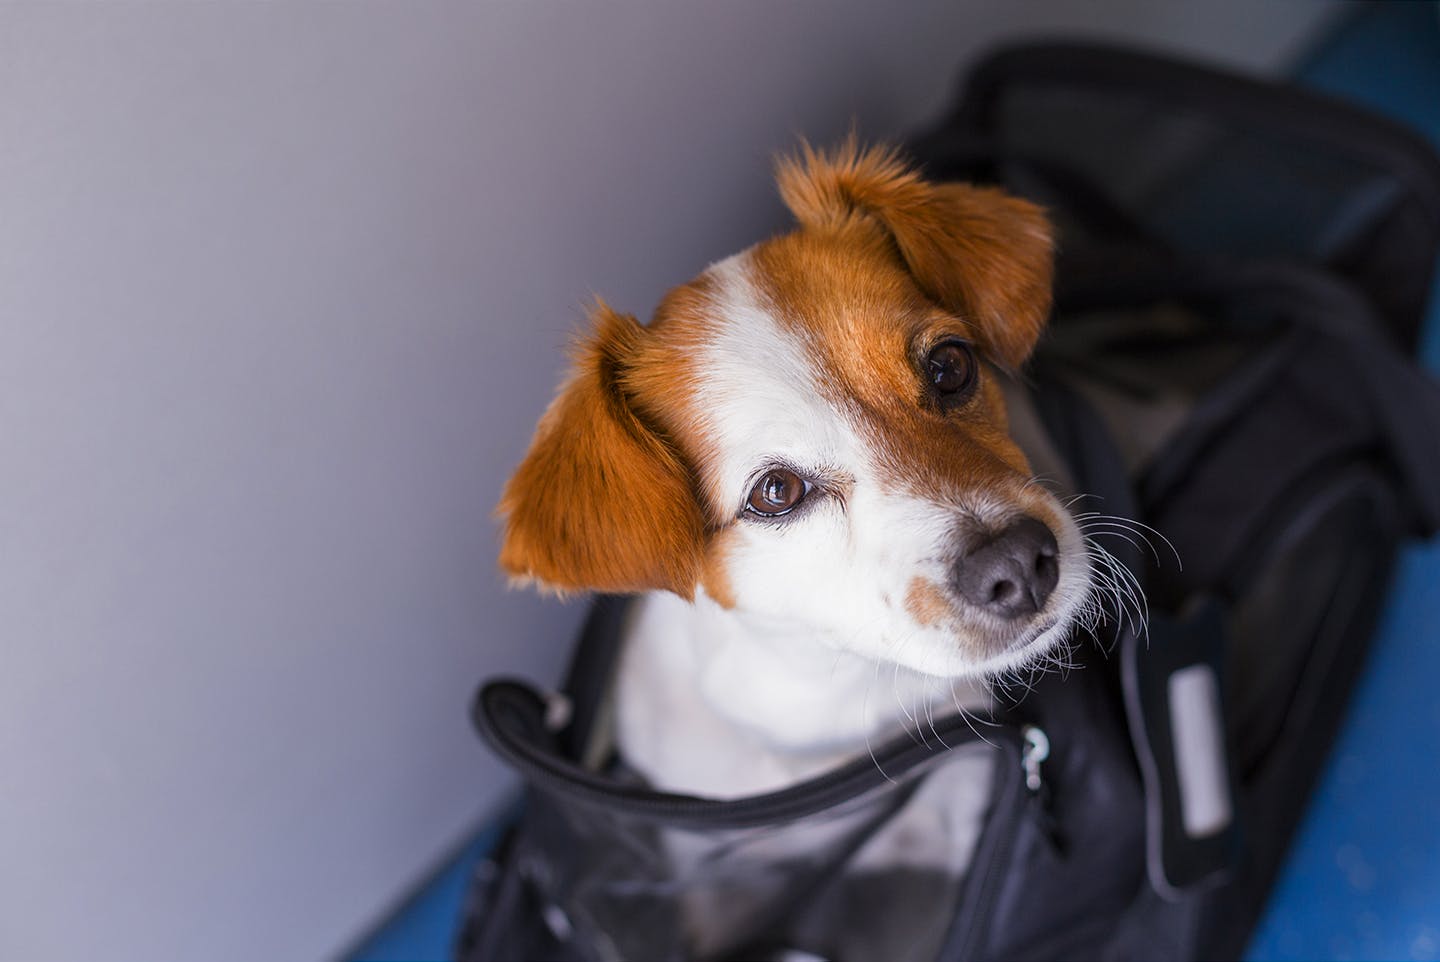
[(601, 502), (976, 251)]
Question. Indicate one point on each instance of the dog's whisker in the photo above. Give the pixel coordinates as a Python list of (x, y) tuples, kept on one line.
[(966, 713), (930, 717), (970, 719), (1125, 587), (1138, 527), (1110, 576), (910, 712), (1106, 531), (870, 749), (1042, 481), (1103, 572), (1110, 530), (1135, 590), (1130, 603), (866, 726), (1105, 578)]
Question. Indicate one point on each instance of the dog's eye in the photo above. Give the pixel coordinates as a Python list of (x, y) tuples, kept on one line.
[(952, 370), (777, 492)]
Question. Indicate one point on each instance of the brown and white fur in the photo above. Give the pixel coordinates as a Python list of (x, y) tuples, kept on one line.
[(767, 649)]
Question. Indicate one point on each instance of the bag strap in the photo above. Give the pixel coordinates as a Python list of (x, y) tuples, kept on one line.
[(516, 720), (591, 673), (1171, 682)]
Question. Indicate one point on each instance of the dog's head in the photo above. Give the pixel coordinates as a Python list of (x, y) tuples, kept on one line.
[(812, 431)]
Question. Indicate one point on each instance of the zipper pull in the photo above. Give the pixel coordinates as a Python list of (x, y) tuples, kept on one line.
[(1037, 749), (1035, 752)]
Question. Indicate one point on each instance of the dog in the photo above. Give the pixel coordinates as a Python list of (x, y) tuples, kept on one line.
[(803, 467)]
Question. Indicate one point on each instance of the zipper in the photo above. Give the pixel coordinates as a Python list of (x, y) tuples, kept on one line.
[(1022, 794), (1037, 749), (1038, 800)]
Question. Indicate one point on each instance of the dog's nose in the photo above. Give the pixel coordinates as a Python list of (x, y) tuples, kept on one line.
[(1012, 574)]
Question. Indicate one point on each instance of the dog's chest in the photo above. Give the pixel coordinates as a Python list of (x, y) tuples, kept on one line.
[(711, 704), (706, 705)]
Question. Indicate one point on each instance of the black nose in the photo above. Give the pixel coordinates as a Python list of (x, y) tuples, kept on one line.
[(1012, 574)]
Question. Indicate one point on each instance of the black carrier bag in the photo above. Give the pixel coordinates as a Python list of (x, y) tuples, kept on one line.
[(1242, 275)]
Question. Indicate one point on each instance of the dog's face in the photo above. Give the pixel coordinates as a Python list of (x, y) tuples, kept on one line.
[(811, 432)]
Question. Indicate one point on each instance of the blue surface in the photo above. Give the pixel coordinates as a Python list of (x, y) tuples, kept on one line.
[(424, 929), (1363, 881)]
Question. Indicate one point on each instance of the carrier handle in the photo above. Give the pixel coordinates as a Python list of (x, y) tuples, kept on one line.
[(511, 717)]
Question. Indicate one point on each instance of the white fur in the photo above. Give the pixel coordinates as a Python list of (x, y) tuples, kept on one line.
[(819, 659), (722, 704)]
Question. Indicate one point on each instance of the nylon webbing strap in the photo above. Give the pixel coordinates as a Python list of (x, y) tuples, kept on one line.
[(1171, 679)]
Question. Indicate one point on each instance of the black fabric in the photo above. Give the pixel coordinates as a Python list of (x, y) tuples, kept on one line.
[(1218, 166), (622, 872), (1242, 276)]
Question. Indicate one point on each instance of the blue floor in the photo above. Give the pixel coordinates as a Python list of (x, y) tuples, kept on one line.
[(1363, 881), (423, 930)]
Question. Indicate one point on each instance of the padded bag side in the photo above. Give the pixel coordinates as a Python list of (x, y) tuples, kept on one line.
[(1140, 156)]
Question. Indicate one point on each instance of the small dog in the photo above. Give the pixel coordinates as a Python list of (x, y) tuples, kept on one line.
[(804, 464)]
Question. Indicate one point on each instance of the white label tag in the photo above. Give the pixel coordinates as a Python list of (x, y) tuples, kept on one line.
[(1199, 744)]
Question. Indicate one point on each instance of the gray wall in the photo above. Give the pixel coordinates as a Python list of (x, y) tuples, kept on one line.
[(282, 291)]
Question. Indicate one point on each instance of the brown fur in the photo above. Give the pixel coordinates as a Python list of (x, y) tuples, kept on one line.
[(615, 495), (715, 571), (927, 604), (973, 250), (867, 324), (601, 501), (660, 380)]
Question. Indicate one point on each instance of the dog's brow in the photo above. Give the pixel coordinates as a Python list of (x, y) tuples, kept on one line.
[(757, 385)]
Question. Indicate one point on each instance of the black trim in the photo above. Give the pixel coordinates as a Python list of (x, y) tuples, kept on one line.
[(510, 716)]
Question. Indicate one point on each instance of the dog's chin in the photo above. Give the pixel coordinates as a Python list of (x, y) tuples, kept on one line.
[(949, 659), (1031, 648), (981, 651)]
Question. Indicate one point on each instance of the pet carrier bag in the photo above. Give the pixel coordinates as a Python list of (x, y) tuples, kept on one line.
[(1241, 280)]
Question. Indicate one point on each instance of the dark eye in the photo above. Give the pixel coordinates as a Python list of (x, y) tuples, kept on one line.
[(776, 493), (952, 371)]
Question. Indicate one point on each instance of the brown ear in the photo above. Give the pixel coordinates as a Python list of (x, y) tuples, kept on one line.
[(600, 502), (976, 251)]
